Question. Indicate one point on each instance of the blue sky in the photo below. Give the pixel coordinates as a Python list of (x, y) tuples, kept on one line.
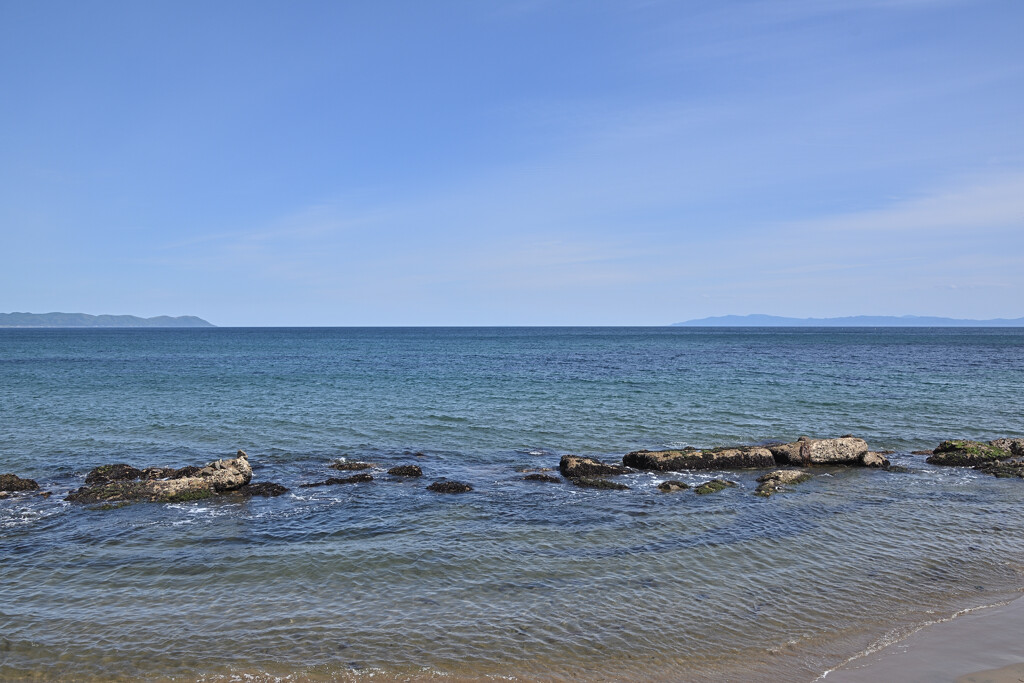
[(512, 163)]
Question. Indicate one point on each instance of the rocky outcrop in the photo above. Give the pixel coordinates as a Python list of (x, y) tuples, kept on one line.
[(740, 457), (962, 453), (714, 486), (406, 471), (536, 476), (12, 482), (446, 486), (573, 466), (846, 450), (597, 483), (672, 485), (773, 482), (216, 477), (350, 466), (354, 479)]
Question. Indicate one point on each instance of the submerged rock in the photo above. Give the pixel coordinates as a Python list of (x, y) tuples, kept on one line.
[(445, 486), (354, 479), (1013, 467), (575, 466), (714, 486), (961, 453), (350, 466), (12, 482), (406, 471), (541, 477), (921, 452), (773, 482), (216, 477), (597, 483), (672, 485), (846, 450), (739, 457)]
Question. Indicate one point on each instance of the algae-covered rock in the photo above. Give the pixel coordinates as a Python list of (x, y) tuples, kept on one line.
[(216, 477), (536, 476), (672, 485), (598, 483), (714, 486), (446, 486), (345, 466), (1014, 445), (846, 450), (266, 489), (406, 471), (332, 481), (575, 466), (739, 457), (963, 453), (773, 482), (105, 474), (12, 482)]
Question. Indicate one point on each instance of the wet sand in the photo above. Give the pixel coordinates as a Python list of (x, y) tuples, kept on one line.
[(981, 646)]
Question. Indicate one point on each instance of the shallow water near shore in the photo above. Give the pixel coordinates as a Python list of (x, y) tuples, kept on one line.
[(515, 579)]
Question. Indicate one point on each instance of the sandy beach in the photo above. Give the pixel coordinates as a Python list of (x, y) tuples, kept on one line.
[(979, 646)]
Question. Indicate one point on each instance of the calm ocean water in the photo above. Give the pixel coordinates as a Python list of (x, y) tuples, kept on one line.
[(517, 579)]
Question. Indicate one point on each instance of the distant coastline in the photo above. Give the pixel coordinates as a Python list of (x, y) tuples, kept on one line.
[(849, 321), (86, 320)]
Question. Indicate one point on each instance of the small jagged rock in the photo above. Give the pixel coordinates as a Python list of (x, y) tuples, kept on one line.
[(350, 466), (541, 477), (773, 482), (332, 481), (962, 453), (872, 459), (738, 457), (846, 450), (12, 482), (576, 466), (406, 471), (216, 477), (714, 486), (446, 486), (597, 483), (899, 469), (921, 452), (672, 485)]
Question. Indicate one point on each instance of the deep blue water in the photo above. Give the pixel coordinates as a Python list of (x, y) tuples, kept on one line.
[(532, 580)]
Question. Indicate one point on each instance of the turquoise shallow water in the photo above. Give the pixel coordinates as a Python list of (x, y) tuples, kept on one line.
[(533, 581)]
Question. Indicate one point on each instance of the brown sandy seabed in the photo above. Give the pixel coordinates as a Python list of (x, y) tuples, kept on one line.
[(955, 648)]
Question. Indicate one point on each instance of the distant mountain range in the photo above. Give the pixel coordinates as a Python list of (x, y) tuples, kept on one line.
[(850, 321), (86, 320)]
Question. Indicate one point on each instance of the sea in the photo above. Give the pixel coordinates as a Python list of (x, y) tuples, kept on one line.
[(515, 580)]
